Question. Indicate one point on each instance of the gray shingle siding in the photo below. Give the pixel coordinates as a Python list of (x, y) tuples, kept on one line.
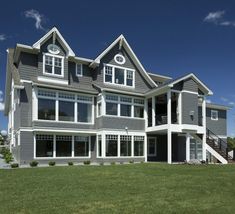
[(26, 147), (189, 103), (190, 85)]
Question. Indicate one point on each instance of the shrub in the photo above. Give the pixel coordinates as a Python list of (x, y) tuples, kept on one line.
[(33, 163), (113, 163), (87, 162), (51, 163), (70, 163), (142, 162), (14, 165), (131, 161), (8, 157), (102, 164)]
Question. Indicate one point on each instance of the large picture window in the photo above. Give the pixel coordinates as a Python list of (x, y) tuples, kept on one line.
[(111, 145), (66, 111), (63, 146), (53, 65), (118, 75), (44, 145), (46, 109), (125, 145), (138, 146), (81, 146), (84, 112)]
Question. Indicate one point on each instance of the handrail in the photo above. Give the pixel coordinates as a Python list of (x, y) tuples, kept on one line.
[(221, 143)]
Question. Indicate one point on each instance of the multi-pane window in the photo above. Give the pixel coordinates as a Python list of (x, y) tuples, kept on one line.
[(63, 146), (108, 73), (111, 145), (44, 145), (61, 106), (139, 108), (125, 145), (125, 106), (118, 75), (138, 145), (111, 105), (152, 146), (53, 65), (81, 146), (79, 70), (195, 149)]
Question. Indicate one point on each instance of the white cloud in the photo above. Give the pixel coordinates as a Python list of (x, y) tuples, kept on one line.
[(3, 37), (1, 106), (208, 101), (224, 99), (39, 18), (1, 96), (217, 18), (231, 103), (214, 17)]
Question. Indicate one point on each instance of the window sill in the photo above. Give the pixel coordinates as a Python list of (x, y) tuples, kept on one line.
[(123, 117), (119, 85), (67, 122)]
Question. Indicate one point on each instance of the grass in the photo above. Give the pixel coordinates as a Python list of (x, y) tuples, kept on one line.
[(133, 188)]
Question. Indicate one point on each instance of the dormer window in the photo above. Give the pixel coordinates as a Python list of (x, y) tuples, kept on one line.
[(119, 75), (79, 70), (53, 65)]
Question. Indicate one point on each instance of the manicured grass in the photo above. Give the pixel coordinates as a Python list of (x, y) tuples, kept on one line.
[(133, 188)]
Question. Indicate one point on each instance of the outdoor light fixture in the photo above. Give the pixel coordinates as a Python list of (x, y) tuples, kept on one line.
[(191, 113)]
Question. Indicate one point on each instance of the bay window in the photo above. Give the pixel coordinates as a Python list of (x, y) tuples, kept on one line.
[(119, 75), (66, 111), (125, 145), (53, 64), (111, 105), (126, 106), (111, 145), (63, 146), (139, 108), (46, 109), (81, 146), (44, 145)]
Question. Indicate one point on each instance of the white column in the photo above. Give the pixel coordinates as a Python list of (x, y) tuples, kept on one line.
[(72, 145), (187, 147), (153, 111), (204, 112), (54, 146), (169, 145), (146, 112), (180, 107), (169, 107), (103, 137), (204, 147)]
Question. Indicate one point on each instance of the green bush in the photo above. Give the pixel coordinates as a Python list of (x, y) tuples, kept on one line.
[(113, 163), (14, 165), (4, 151), (8, 157), (33, 163), (131, 161), (102, 164), (87, 162), (51, 163), (70, 163)]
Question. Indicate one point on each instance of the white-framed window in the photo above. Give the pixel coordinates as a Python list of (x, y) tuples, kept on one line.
[(59, 146), (119, 75), (124, 106), (53, 65), (64, 106), (214, 115), (120, 145), (152, 146), (119, 59), (79, 70)]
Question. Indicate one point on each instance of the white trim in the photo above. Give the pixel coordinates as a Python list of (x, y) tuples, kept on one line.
[(53, 65), (81, 67), (37, 44), (155, 146), (187, 147), (216, 154), (217, 115), (113, 76), (121, 56), (169, 146), (52, 80), (131, 52), (189, 92), (25, 81)]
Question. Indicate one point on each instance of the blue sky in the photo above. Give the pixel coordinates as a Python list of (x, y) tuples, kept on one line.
[(170, 37)]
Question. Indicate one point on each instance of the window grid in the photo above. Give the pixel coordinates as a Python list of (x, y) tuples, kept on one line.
[(67, 96), (139, 101), (81, 138), (53, 61), (108, 70), (129, 74), (125, 137), (79, 68), (44, 137), (138, 138), (126, 99), (49, 60), (84, 98), (64, 137), (111, 137), (111, 97), (44, 93)]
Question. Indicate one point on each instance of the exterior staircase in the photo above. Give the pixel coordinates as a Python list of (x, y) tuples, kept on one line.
[(217, 147)]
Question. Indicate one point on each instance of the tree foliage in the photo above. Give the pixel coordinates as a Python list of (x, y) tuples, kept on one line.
[(231, 143)]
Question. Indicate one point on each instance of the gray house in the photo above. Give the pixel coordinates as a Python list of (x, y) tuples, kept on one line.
[(65, 107)]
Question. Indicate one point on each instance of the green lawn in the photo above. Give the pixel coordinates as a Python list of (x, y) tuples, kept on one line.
[(133, 188)]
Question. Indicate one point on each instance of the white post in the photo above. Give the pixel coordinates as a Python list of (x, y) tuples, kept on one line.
[(180, 108), (146, 113), (145, 148), (153, 111), (187, 147), (169, 145), (204, 112), (204, 147), (169, 107), (103, 143)]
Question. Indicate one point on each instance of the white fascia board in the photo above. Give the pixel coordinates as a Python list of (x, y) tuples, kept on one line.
[(159, 75), (122, 92), (37, 44)]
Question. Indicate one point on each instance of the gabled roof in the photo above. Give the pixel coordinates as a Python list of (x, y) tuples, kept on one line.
[(54, 30), (123, 42), (172, 82)]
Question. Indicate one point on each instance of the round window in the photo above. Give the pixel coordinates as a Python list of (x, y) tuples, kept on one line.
[(54, 49), (119, 59)]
